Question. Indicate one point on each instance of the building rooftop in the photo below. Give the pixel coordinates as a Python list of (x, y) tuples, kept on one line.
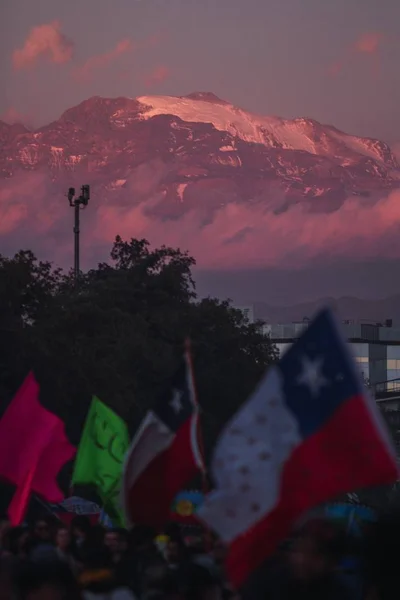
[(361, 331)]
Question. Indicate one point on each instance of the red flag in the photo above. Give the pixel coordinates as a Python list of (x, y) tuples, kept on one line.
[(33, 448), (164, 455)]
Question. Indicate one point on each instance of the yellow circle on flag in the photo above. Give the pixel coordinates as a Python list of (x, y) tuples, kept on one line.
[(184, 508)]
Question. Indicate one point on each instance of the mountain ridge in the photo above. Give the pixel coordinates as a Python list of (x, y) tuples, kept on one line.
[(211, 139), (146, 105), (224, 172), (347, 307)]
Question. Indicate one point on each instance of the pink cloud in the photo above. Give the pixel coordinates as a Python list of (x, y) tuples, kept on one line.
[(44, 41), (155, 40), (12, 115), (101, 61), (367, 44), (157, 75), (335, 68), (235, 236), (245, 236)]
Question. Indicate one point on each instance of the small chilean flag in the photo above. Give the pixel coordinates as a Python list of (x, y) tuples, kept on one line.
[(308, 433), (164, 455)]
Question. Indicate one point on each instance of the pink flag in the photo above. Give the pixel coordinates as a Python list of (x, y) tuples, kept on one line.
[(33, 448)]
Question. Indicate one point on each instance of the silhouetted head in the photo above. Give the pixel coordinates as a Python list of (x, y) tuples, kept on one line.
[(80, 527), (116, 540), (43, 530), (63, 538), (141, 538), (316, 549), (198, 583), (45, 582), (381, 557)]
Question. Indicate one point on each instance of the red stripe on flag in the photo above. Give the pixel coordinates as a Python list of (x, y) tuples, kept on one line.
[(318, 470), (149, 499)]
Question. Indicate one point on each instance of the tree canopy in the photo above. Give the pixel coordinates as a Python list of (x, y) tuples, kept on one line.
[(119, 334)]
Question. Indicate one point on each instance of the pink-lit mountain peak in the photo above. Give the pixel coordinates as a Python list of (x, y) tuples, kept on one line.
[(297, 134), (257, 188), (206, 151), (302, 134), (205, 97)]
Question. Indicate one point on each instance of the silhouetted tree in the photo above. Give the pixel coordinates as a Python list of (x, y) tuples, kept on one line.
[(120, 333)]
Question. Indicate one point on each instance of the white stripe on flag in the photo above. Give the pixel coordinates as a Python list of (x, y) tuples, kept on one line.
[(248, 461), (152, 438)]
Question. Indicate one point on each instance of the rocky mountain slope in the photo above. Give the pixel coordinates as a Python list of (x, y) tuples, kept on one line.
[(196, 150)]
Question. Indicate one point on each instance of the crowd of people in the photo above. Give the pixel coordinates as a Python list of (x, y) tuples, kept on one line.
[(52, 561)]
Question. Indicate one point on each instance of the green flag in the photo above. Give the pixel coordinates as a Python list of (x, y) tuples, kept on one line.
[(100, 456)]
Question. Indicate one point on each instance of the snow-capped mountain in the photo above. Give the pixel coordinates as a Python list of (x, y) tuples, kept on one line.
[(198, 149), (299, 134)]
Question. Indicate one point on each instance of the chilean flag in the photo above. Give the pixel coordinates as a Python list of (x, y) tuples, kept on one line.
[(164, 455), (308, 433)]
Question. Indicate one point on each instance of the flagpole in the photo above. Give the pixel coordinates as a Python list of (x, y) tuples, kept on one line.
[(204, 478), (189, 358), (19, 504), (40, 501)]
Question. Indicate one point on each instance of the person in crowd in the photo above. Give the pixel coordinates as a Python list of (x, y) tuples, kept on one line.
[(64, 551), (316, 551), (200, 553), (116, 540), (42, 547), (174, 554), (96, 535), (218, 553), (80, 529), (81, 534), (142, 552), (161, 542), (16, 542), (175, 551), (309, 570), (350, 568), (173, 532), (98, 581), (7, 566), (158, 582), (55, 581), (381, 558), (198, 583), (124, 564), (42, 531), (5, 527)]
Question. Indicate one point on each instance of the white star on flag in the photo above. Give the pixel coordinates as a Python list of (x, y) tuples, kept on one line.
[(311, 375)]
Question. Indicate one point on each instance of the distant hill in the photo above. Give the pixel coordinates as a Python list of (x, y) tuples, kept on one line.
[(346, 307)]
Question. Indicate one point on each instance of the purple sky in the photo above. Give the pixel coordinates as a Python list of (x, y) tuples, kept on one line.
[(334, 61)]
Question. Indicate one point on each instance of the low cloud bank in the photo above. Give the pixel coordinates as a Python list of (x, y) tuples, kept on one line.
[(33, 213)]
